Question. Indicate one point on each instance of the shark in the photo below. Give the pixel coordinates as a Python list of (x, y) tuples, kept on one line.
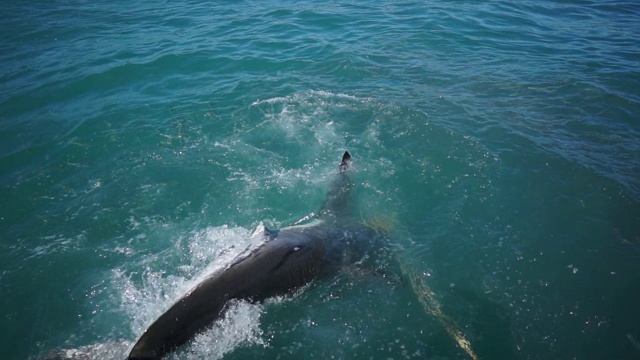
[(286, 261)]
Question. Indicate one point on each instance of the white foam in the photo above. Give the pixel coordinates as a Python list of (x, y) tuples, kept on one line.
[(304, 95), (270, 101), (240, 326), (209, 250), (301, 224)]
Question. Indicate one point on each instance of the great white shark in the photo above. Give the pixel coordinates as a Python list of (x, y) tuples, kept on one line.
[(288, 259)]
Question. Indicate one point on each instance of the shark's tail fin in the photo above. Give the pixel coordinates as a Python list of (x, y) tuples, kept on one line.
[(337, 197), (346, 161)]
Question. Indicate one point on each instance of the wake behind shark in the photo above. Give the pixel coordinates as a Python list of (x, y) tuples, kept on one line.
[(288, 259)]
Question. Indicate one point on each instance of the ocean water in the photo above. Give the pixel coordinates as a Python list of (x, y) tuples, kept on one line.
[(497, 142)]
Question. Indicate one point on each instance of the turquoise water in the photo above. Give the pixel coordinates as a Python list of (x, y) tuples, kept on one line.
[(142, 142)]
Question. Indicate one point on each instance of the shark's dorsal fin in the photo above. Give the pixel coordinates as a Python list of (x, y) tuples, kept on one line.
[(262, 230), (259, 230)]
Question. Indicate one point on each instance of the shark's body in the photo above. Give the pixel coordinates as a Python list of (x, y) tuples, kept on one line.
[(288, 259)]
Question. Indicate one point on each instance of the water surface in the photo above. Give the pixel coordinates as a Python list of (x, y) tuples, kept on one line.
[(141, 143)]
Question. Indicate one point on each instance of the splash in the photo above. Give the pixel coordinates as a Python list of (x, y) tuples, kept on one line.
[(209, 250), (240, 326)]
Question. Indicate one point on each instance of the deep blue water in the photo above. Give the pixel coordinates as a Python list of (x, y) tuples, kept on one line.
[(497, 141)]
